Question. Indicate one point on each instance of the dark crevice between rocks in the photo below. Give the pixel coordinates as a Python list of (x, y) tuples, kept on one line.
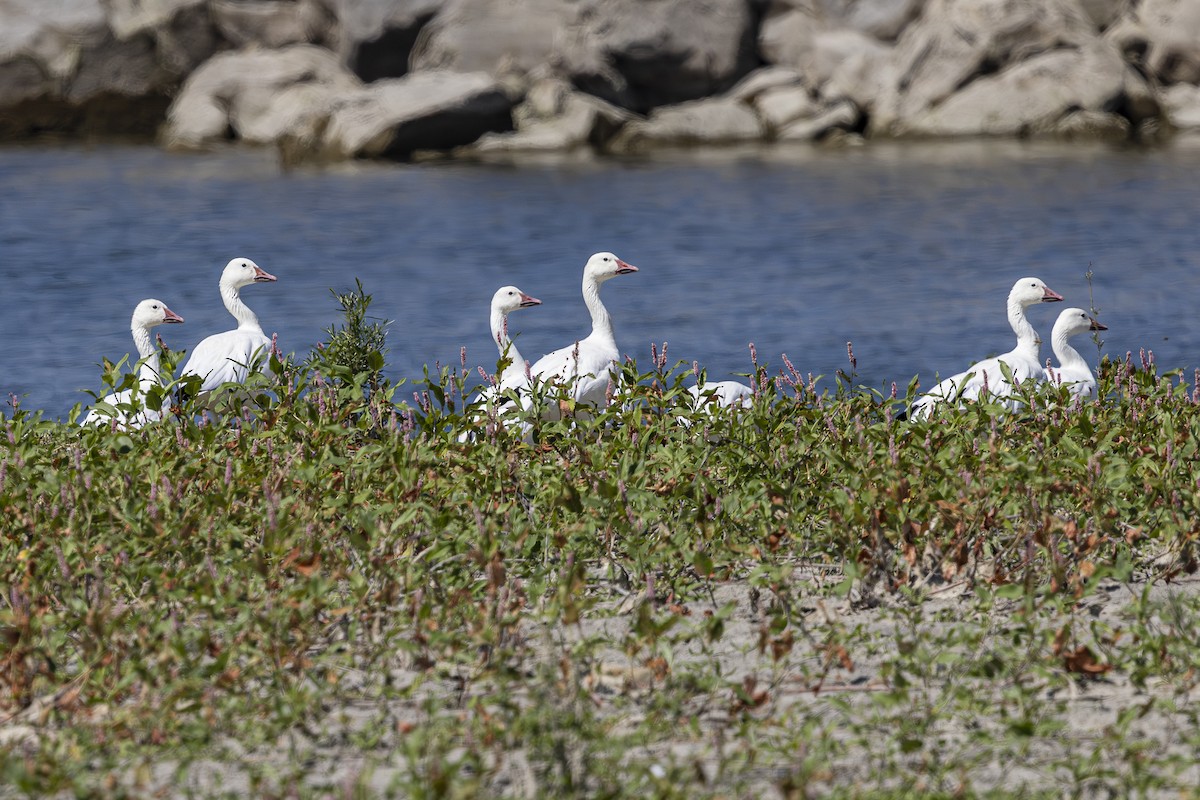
[(388, 56), (446, 131)]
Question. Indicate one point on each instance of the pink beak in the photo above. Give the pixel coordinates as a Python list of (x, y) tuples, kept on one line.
[(262, 276), (1051, 296), (527, 301), (624, 268), (1099, 326), (171, 316)]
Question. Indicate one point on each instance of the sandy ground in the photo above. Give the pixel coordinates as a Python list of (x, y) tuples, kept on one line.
[(822, 700)]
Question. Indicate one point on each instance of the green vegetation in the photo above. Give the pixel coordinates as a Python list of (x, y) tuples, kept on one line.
[(329, 595)]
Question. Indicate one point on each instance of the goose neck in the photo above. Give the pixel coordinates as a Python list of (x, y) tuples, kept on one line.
[(1028, 341), (504, 343), (1067, 355), (247, 320), (601, 322)]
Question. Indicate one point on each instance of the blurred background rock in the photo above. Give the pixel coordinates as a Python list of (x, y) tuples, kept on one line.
[(326, 80)]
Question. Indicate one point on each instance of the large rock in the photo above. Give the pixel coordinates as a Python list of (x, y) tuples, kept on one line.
[(396, 118), (486, 36), (641, 54), (843, 116), (834, 61), (269, 23), (1182, 102), (257, 96), (1173, 30), (1104, 13), (555, 119), (956, 42), (376, 38), (92, 67), (181, 31), (715, 121), (1038, 95)]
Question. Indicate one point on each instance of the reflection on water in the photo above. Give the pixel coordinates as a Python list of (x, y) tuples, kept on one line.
[(908, 251)]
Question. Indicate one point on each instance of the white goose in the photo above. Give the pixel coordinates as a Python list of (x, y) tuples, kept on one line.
[(146, 315), (1023, 361), (709, 397), (513, 376), (722, 394), (506, 300), (1072, 370), (585, 367), (228, 357)]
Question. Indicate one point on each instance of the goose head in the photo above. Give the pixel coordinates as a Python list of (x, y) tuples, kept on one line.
[(149, 313), (241, 272), (510, 298), (1074, 321), (603, 266), (1031, 291)]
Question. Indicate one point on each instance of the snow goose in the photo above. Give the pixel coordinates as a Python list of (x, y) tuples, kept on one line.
[(585, 368), (1022, 361), (506, 300), (1072, 370), (146, 315), (230, 356), (709, 397), (512, 374)]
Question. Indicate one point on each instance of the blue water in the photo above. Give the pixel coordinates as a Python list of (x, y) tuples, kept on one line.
[(908, 251)]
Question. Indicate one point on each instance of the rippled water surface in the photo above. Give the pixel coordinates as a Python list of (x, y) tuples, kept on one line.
[(908, 252)]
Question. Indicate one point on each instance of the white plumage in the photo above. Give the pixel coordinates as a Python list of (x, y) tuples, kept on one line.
[(513, 376), (230, 356), (585, 368), (146, 315), (1072, 371), (1023, 361)]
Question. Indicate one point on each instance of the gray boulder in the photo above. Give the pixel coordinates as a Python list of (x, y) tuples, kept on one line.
[(555, 118), (782, 105), (273, 24), (834, 61), (956, 42), (256, 95), (376, 38), (1173, 31), (86, 66), (715, 121), (841, 117), (179, 32), (1103, 13), (642, 54), (1036, 97), (486, 36), (398, 118), (764, 80), (1182, 104)]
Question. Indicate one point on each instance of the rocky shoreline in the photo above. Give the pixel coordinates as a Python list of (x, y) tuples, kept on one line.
[(329, 80)]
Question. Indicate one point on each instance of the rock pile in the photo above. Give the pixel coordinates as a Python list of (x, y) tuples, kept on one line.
[(334, 79)]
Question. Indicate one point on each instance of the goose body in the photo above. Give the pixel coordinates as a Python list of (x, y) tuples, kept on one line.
[(722, 394), (709, 397), (987, 376), (146, 315), (230, 356), (1072, 370), (585, 367)]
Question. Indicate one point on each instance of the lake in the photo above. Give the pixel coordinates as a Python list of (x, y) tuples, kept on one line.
[(908, 251)]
